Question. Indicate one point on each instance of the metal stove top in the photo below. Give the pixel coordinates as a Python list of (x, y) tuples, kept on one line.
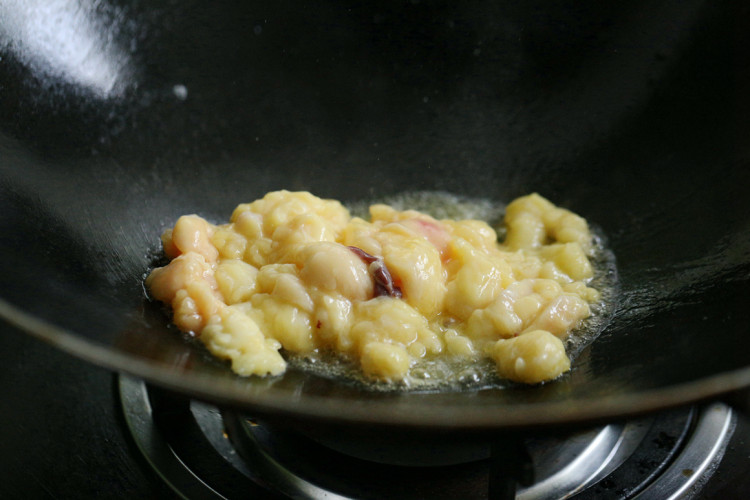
[(65, 434)]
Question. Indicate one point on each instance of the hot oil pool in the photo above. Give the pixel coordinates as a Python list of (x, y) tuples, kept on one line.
[(421, 297), (454, 373)]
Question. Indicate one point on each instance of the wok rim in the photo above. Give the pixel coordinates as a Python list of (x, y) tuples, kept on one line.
[(335, 410)]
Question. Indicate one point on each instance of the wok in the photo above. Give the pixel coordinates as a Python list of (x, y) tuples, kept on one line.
[(117, 117)]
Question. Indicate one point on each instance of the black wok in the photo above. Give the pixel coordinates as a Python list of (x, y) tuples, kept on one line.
[(117, 117)]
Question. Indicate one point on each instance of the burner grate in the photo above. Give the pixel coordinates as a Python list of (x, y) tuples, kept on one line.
[(204, 453)]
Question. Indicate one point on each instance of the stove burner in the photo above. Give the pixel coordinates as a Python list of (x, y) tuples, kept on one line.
[(205, 453)]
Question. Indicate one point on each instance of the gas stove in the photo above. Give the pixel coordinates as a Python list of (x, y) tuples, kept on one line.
[(72, 430)]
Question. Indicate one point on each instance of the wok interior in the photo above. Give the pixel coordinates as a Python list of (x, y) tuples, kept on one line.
[(631, 117)]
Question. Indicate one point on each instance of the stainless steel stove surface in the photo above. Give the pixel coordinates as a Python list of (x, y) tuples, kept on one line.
[(72, 430)]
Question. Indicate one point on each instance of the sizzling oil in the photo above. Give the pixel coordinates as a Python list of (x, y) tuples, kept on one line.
[(447, 373)]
